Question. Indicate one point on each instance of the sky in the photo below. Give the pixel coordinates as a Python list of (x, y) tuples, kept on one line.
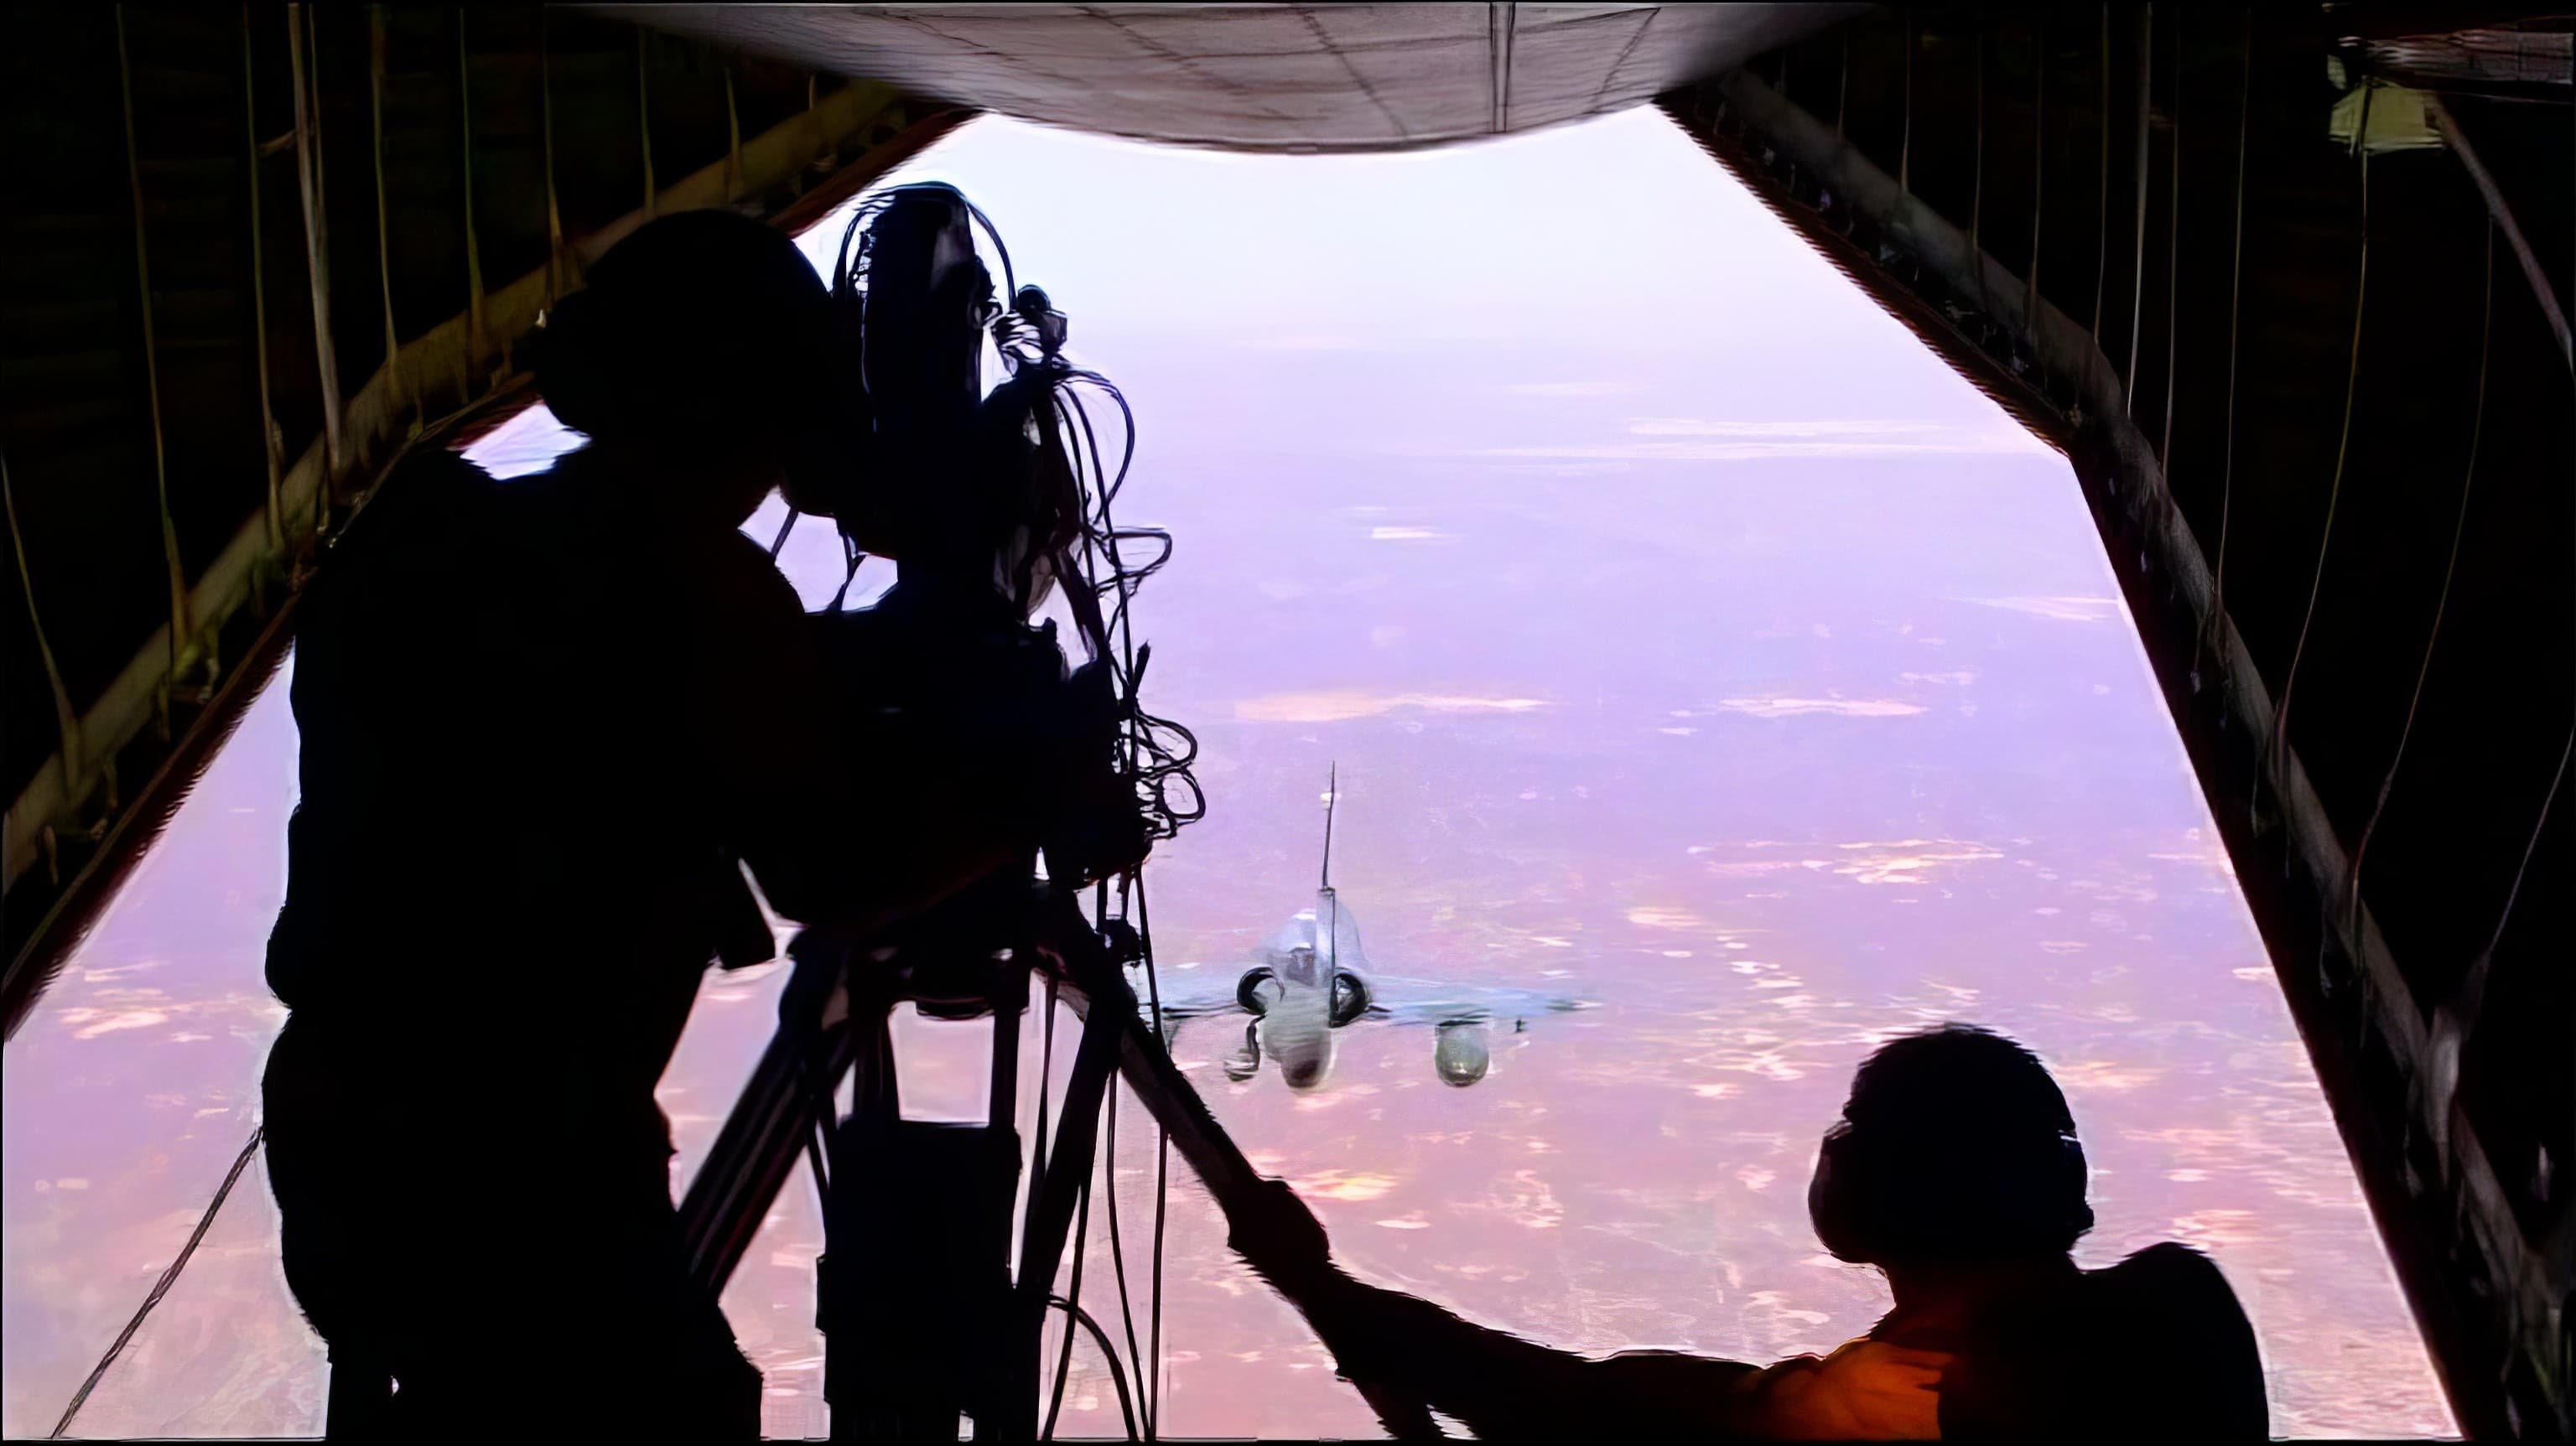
[(1718, 686)]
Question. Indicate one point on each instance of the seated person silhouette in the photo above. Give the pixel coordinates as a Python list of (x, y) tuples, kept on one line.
[(545, 725), (1955, 1170)]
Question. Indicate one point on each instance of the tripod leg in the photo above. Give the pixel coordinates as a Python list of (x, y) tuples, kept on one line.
[(998, 1395), (770, 1122), (1010, 1001), (1175, 1105), (756, 1151), (875, 1094), (1050, 1221)]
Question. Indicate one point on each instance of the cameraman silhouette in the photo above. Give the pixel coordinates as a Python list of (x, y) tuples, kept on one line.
[(545, 726), (1955, 1170)]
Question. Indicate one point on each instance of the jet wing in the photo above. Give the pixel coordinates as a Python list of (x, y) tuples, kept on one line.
[(1191, 991), (1198, 991), (1430, 1001)]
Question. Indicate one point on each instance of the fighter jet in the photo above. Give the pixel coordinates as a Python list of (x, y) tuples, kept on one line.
[(1312, 978)]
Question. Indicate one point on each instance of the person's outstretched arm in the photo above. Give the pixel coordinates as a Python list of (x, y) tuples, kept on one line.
[(1499, 1386), (1505, 1388)]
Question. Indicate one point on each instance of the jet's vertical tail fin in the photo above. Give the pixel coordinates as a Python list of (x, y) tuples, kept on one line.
[(1332, 796)]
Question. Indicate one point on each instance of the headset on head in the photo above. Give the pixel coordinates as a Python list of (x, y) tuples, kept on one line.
[(1885, 1194), (702, 311)]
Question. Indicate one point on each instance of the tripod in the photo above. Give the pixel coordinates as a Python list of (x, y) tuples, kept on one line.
[(917, 1216)]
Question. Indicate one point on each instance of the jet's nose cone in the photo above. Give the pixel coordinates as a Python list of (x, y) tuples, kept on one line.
[(1301, 1041)]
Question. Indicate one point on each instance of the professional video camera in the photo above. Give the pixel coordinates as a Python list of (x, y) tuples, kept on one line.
[(960, 707), (932, 1303), (988, 503)]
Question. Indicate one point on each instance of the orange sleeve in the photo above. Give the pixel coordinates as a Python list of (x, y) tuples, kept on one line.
[(1865, 1391)]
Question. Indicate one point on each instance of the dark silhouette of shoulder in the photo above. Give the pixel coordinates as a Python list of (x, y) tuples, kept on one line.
[(400, 604), (2177, 1306), (535, 722), (2155, 1347)]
